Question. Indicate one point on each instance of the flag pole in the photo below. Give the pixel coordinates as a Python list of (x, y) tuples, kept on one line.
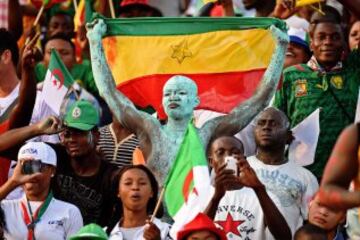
[(33, 40), (158, 204), (39, 15), (75, 5), (112, 10)]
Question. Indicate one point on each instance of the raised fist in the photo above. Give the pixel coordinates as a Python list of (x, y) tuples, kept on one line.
[(280, 36), (96, 30)]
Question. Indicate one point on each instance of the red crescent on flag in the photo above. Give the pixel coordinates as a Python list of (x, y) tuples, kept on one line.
[(59, 75), (187, 184)]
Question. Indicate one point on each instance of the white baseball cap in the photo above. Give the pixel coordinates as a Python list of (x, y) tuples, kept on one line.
[(38, 151)]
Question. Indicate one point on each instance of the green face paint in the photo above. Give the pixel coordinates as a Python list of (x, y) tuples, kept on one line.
[(179, 97)]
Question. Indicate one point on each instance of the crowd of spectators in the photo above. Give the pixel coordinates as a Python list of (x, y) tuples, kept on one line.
[(82, 174)]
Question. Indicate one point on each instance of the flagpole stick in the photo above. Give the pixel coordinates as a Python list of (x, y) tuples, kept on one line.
[(75, 5), (112, 10), (33, 40), (158, 204), (39, 15)]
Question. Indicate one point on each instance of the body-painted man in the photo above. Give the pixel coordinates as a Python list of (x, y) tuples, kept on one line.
[(160, 143)]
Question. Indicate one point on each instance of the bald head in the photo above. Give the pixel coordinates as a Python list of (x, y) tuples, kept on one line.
[(180, 97), (284, 119), (271, 130), (183, 82)]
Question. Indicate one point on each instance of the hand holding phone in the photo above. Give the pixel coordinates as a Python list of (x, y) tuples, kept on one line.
[(231, 163), (31, 167)]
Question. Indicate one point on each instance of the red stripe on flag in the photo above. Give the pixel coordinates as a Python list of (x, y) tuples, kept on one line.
[(187, 184), (219, 92)]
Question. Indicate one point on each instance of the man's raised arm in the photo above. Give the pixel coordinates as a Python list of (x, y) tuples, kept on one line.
[(21, 114), (121, 106), (245, 112), (11, 141)]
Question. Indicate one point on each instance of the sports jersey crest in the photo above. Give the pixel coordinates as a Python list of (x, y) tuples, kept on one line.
[(337, 82), (301, 88)]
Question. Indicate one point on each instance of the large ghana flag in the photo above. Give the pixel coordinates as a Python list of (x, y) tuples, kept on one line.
[(225, 56)]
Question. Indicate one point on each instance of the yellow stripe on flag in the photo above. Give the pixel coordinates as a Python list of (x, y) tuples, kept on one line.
[(211, 52), (79, 18)]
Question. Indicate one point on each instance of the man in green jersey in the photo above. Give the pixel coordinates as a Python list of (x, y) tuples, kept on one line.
[(325, 82)]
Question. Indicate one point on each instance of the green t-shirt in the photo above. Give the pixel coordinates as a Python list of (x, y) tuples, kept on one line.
[(81, 73), (304, 90)]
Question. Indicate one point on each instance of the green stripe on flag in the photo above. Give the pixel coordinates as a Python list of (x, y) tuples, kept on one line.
[(183, 26), (59, 70), (180, 183), (88, 11)]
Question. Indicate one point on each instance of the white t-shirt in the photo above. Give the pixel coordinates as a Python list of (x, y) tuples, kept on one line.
[(240, 215), (6, 102), (290, 186), (119, 233), (59, 222)]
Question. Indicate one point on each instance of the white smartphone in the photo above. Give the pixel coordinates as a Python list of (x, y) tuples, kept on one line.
[(231, 163)]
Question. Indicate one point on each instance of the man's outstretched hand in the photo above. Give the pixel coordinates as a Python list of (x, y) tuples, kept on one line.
[(280, 36), (49, 125), (96, 30)]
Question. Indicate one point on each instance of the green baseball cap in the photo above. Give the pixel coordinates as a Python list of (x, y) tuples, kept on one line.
[(90, 231), (82, 115)]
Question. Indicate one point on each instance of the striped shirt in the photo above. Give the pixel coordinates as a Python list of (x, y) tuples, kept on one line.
[(117, 153), (4, 13)]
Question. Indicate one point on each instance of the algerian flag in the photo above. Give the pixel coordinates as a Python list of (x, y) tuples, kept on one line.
[(188, 183), (57, 82)]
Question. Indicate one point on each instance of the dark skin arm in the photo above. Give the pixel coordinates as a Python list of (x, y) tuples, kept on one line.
[(21, 114), (274, 220), (224, 177), (284, 9), (247, 178), (17, 179), (334, 191), (151, 231), (15, 19), (11, 141)]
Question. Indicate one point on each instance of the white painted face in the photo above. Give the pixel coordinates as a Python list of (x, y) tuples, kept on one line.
[(179, 97)]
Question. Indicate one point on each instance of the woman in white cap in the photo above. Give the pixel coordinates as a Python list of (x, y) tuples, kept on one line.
[(37, 215)]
